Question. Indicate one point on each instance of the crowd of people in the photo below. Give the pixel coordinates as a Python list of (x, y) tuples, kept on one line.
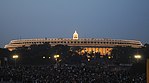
[(65, 73)]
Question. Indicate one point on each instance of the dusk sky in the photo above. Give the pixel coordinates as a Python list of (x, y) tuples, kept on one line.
[(116, 19)]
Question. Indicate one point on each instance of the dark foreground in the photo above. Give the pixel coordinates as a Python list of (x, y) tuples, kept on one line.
[(71, 74)]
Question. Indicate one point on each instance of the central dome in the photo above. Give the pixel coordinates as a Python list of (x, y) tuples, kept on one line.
[(75, 35)]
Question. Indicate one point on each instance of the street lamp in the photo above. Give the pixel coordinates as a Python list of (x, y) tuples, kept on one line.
[(15, 57), (137, 57), (56, 57)]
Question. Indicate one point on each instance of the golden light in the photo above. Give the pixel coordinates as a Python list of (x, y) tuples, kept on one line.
[(49, 57), (15, 56), (137, 56), (109, 57), (88, 59), (56, 56)]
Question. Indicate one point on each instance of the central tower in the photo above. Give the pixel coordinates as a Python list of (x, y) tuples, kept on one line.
[(75, 35)]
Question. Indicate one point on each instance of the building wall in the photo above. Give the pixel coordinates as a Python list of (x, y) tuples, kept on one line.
[(103, 46)]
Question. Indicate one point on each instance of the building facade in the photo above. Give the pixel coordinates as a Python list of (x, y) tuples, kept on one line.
[(102, 45)]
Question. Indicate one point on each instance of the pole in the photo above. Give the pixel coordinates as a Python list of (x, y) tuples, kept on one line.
[(15, 62)]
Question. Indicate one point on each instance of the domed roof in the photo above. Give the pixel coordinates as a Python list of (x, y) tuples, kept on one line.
[(75, 35)]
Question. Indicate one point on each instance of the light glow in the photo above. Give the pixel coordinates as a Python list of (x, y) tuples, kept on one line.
[(88, 59), (109, 57), (56, 56), (138, 56), (15, 56), (43, 57)]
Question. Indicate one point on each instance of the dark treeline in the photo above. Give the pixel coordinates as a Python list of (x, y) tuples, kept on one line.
[(40, 54), (44, 54)]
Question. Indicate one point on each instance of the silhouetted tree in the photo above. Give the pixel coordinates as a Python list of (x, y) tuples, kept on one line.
[(146, 51), (4, 56), (122, 54), (32, 54)]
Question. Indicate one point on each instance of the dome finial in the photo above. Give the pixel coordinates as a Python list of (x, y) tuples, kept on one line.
[(75, 31)]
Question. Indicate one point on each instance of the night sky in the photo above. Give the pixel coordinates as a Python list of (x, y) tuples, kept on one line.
[(116, 19)]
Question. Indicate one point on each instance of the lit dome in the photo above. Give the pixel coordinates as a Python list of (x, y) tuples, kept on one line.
[(75, 35)]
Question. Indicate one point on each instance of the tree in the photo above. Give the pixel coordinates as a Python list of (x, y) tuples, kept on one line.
[(4, 56), (122, 54), (32, 54), (146, 51)]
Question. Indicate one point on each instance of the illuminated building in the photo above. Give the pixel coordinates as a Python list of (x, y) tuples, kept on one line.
[(102, 45)]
